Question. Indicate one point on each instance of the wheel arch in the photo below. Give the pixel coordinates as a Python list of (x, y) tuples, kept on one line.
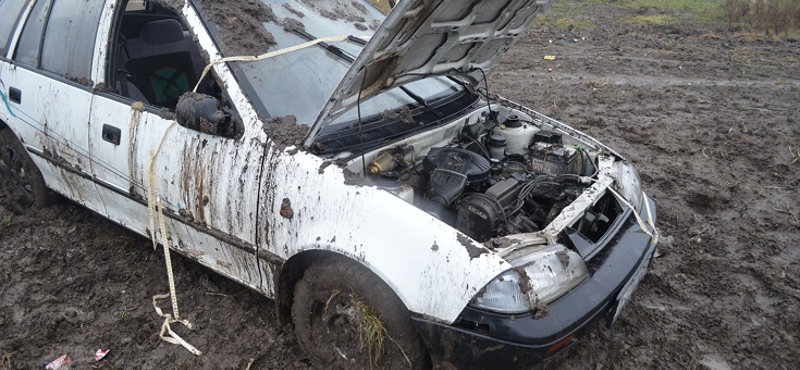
[(293, 270)]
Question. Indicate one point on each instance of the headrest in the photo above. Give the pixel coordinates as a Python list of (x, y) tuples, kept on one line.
[(162, 32)]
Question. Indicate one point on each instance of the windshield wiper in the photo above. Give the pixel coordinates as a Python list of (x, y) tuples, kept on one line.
[(421, 101), (335, 50)]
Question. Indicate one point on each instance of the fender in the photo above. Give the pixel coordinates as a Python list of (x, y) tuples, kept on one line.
[(434, 269)]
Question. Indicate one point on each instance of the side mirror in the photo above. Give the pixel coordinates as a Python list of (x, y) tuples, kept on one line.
[(201, 113)]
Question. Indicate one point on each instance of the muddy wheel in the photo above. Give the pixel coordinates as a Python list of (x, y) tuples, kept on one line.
[(20, 180), (345, 317)]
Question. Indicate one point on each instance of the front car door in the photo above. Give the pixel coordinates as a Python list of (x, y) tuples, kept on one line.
[(207, 182)]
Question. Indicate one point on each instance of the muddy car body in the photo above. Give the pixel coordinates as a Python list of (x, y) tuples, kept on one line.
[(480, 231)]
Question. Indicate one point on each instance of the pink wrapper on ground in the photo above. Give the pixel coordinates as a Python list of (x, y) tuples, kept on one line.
[(100, 354), (58, 363)]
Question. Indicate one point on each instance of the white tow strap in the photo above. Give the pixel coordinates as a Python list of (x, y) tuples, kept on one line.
[(654, 234), (271, 54), (155, 212)]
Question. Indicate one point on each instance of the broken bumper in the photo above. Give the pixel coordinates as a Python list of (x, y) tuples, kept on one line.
[(481, 339)]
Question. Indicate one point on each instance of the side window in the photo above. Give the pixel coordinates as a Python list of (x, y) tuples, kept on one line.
[(9, 13), (69, 38), (30, 41), (156, 61)]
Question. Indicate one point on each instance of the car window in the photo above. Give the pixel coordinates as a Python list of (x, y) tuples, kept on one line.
[(157, 61), (30, 42), (311, 73), (69, 38), (9, 13)]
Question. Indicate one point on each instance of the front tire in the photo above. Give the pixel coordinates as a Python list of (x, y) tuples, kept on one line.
[(339, 306), (20, 179)]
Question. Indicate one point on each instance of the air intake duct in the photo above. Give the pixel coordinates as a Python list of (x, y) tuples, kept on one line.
[(451, 170)]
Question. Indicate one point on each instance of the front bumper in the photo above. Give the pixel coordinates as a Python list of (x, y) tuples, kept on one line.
[(481, 339)]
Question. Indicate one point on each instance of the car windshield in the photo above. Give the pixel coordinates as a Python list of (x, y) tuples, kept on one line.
[(300, 82)]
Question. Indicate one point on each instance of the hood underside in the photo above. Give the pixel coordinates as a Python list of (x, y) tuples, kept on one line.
[(422, 38)]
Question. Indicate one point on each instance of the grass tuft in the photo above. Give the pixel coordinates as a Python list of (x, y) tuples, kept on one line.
[(569, 23), (372, 332)]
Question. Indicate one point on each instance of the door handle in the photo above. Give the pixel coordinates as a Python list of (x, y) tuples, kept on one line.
[(15, 95), (111, 134)]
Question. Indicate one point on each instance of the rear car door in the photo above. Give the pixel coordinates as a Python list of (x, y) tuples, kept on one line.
[(50, 92), (12, 12)]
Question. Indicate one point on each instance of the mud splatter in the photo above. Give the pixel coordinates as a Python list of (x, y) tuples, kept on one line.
[(524, 280), (404, 115), (352, 178), (293, 10), (435, 247), (473, 251), (563, 257), (324, 165), (360, 7), (284, 131), (286, 209), (167, 114), (540, 310), (291, 24), (103, 88), (336, 10), (80, 80), (241, 25)]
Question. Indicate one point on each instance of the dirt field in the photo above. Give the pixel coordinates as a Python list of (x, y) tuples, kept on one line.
[(710, 119)]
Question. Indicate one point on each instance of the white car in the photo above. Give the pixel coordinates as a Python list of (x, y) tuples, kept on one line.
[(348, 164)]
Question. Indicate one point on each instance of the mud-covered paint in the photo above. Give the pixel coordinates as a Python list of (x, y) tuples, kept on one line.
[(369, 225)]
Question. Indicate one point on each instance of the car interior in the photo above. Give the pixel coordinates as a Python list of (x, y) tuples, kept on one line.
[(156, 60)]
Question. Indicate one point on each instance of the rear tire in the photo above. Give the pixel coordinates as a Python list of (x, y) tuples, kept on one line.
[(332, 302), (20, 179)]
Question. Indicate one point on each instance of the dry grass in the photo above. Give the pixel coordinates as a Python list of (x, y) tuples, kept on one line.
[(750, 37), (710, 36), (646, 20), (741, 54), (6, 360), (372, 332), (774, 17)]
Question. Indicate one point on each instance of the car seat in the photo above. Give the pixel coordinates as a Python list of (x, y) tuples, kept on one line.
[(160, 62)]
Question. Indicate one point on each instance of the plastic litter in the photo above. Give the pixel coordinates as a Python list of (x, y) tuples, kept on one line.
[(100, 354), (549, 57), (58, 363)]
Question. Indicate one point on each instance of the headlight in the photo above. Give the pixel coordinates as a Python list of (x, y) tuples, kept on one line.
[(630, 186), (503, 295), (544, 275)]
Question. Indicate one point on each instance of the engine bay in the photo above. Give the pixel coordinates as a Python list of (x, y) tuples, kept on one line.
[(504, 173)]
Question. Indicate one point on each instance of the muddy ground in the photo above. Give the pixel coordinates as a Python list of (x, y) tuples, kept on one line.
[(709, 117)]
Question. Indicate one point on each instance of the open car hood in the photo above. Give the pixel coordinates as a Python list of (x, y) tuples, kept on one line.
[(420, 38)]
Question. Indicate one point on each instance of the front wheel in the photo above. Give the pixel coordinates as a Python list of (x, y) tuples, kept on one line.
[(345, 317), (20, 179)]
